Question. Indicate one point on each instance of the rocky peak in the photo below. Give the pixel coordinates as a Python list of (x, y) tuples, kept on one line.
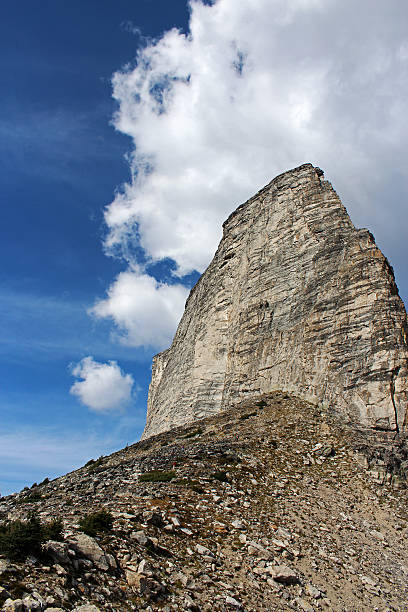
[(297, 299)]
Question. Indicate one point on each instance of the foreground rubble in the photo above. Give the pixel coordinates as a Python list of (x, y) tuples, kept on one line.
[(276, 505)]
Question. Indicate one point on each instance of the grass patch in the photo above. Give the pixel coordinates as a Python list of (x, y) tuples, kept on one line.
[(96, 522), (157, 476)]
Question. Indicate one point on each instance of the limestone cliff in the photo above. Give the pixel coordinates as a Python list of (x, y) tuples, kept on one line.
[(296, 298)]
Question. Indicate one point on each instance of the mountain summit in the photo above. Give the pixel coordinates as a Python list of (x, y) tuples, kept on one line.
[(296, 299)]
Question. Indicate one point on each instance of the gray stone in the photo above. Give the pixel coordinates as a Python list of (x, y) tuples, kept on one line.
[(284, 574), (13, 605), (304, 605), (230, 601), (87, 547), (202, 550), (58, 551), (296, 298)]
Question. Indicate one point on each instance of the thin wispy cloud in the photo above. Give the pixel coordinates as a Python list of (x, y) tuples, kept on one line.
[(254, 89)]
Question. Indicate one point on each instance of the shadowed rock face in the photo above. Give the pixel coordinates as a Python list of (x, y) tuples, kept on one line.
[(296, 298)]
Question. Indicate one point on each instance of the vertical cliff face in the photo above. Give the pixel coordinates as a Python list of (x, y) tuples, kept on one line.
[(296, 298)]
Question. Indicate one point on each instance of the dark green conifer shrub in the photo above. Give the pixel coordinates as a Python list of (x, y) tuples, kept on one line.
[(96, 522)]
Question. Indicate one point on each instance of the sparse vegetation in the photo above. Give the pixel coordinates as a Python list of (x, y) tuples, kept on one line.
[(92, 464), (30, 498), (194, 433), (53, 530), (96, 522), (18, 539), (157, 476), (221, 476)]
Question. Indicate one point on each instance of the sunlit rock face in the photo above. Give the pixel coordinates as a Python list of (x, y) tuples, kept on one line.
[(297, 299)]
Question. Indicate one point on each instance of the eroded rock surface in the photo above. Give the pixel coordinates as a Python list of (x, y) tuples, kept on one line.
[(296, 298)]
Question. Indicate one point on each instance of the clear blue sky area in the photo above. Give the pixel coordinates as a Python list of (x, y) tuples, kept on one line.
[(61, 162)]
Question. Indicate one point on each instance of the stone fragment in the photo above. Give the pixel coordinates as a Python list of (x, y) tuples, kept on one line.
[(32, 605), (87, 547), (13, 605), (58, 551), (202, 550), (86, 608), (303, 604), (313, 591), (238, 524), (284, 574), (231, 601)]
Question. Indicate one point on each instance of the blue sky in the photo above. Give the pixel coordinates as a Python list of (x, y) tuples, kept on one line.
[(61, 162), (129, 130)]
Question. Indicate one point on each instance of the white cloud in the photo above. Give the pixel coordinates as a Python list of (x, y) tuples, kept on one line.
[(255, 88), (145, 311), (104, 386)]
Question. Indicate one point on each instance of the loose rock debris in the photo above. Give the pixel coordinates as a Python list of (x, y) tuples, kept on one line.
[(283, 510)]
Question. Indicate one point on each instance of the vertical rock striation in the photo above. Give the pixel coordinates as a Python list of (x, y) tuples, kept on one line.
[(296, 298)]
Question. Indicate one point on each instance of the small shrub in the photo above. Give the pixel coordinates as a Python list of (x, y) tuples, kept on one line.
[(31, 498), (157, 476), (44, 482), (96, 522), (53, 530), (221, 476), (194, 433), (197, 489), (94, 463), (261, 404), (21, 538)]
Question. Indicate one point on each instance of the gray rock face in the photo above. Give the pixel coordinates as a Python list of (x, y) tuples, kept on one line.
[(297, 299)]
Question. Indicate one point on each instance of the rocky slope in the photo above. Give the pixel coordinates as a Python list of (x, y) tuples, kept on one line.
[(272, 505), (296, 298)]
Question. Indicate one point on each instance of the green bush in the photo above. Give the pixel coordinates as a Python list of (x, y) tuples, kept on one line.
[(157, 476), (221, 476), (96, 522), (21, 538), (92, 464), (30, 498), (53, 530)]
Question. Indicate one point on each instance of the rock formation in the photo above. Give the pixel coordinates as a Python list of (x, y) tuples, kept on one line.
[(297, 299)]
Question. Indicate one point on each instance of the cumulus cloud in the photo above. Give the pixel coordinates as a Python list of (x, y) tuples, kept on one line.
[(104, 387), (145, 311), (254, 88)]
